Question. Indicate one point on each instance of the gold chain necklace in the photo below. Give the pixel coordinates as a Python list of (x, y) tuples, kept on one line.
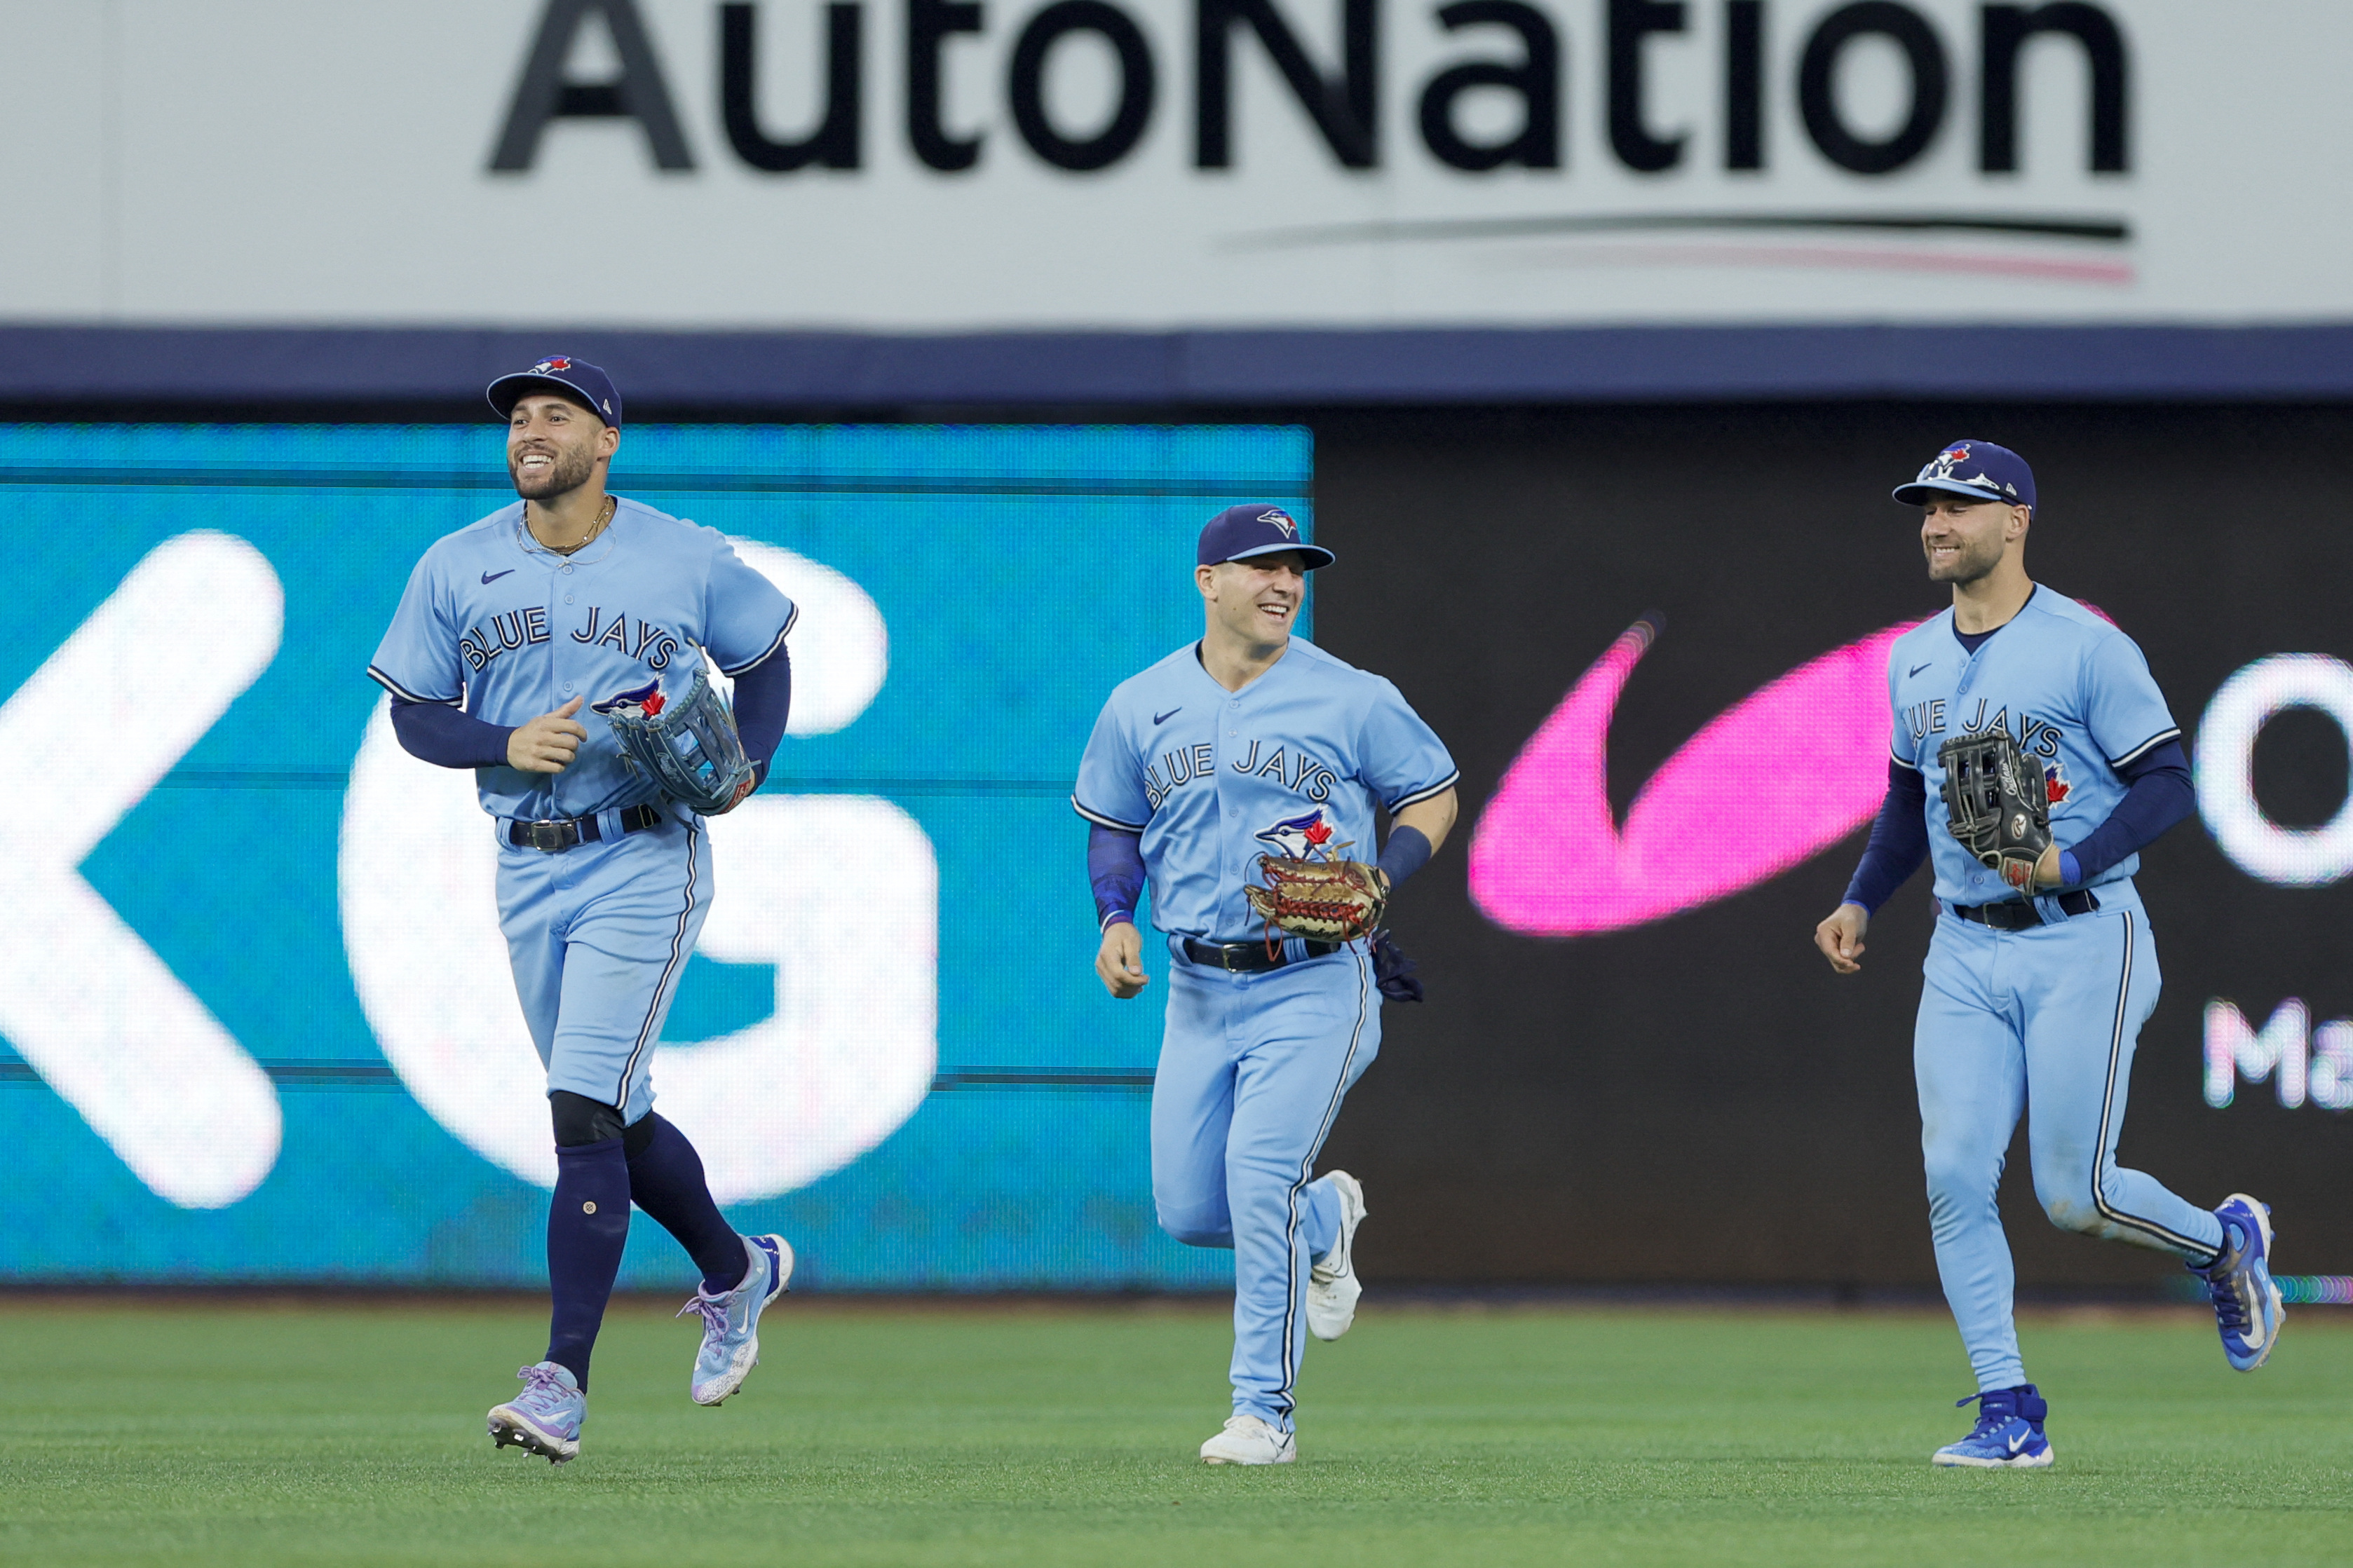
[(603, 516)]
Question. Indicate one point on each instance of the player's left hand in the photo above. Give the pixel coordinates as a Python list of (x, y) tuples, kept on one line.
[(742, 793), (2046, 869)]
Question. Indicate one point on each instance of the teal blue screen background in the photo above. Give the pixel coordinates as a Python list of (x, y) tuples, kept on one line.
[(1022, 572)]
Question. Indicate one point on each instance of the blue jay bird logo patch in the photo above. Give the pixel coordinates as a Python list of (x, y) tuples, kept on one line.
[(1299, 837), (638, 701)]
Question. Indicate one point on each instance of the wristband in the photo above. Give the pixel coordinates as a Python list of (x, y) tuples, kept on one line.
[(1407, 851)]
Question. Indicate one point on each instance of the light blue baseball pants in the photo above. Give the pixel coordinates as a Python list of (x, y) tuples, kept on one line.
[(2044, 1018), (1252, 1071), (599, 935)]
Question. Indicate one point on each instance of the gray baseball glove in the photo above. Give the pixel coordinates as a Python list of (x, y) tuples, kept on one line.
[(687, 745)]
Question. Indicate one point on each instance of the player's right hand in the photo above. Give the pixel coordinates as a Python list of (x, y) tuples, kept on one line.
[(548, 743), (1841, 937), (1120, 960)]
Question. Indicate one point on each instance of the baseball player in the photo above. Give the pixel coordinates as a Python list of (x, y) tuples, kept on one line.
[(513, 633), (2043, 968), (1253, 742)]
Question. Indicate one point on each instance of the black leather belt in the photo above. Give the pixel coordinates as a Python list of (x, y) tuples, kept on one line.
[(1248, 957), (2023, 916), (553, 834)]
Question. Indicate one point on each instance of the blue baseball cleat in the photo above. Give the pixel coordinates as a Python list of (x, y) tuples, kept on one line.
[(730, 1321), (545, 1417), (2008, 1436), (2247, 1305)]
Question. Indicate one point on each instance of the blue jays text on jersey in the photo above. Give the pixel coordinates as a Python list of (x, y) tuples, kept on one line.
[(527, 627), (1308, 776), (510, 631), (2069, 686), (1294, 762)]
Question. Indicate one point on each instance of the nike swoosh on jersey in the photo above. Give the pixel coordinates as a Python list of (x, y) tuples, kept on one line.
[(494, 576), (1916, 669), (1160, 719)]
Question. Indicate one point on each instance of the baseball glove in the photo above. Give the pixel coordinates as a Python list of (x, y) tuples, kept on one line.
[(688, 746), (1330, 901), (1996, 802)]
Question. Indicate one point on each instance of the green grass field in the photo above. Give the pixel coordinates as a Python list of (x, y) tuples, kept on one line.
[(889, 1434)]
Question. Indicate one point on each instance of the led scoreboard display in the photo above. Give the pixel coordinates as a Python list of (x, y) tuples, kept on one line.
[(256, 1022)]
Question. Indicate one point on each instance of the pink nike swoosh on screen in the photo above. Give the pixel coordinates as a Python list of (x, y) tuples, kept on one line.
[(1768, 783)]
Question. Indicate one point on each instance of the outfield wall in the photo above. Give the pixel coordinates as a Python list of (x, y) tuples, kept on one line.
[(258, 1019), (258, 1027), (1682, 1091)]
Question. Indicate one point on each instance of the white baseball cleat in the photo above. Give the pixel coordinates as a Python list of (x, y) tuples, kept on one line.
[(1333, 1287), (1247, 1440)]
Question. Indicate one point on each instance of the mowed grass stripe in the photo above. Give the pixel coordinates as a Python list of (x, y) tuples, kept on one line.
[(891, 1435)]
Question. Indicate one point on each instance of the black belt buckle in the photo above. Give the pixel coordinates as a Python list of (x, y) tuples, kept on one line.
[(553, 834), (1234, 958)]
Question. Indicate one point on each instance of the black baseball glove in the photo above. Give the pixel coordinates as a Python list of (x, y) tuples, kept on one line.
[(1996, 802)]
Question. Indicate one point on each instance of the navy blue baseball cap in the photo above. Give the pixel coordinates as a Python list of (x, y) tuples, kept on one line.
[(1256, 528), (1978, 470), (559, 373)]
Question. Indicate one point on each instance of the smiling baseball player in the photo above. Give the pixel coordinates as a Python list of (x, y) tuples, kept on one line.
[(571, 598), (2034, 759), (1234, 776)]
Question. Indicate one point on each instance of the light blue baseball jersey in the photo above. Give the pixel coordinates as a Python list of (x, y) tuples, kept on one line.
[(1213, 779), (510, 631), (2072, 689)]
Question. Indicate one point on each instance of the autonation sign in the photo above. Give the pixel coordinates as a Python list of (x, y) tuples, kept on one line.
[(1147, 163)]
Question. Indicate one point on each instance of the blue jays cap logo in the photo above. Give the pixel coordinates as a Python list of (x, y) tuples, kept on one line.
[(546, 365), (646, 700), (1298, 837), (1256, 528), (1946, 466), (1979, 469)]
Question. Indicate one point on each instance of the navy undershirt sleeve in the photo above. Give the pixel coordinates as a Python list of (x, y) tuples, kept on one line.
[(448, 737), (764, 700), (1116, 869), (1899, 840), (2162, 794)]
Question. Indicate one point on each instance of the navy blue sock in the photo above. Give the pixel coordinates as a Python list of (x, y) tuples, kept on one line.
[(587, 1225), (666, 1178)]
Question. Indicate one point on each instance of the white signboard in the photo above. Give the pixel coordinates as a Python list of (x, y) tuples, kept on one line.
[(943, 164)]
